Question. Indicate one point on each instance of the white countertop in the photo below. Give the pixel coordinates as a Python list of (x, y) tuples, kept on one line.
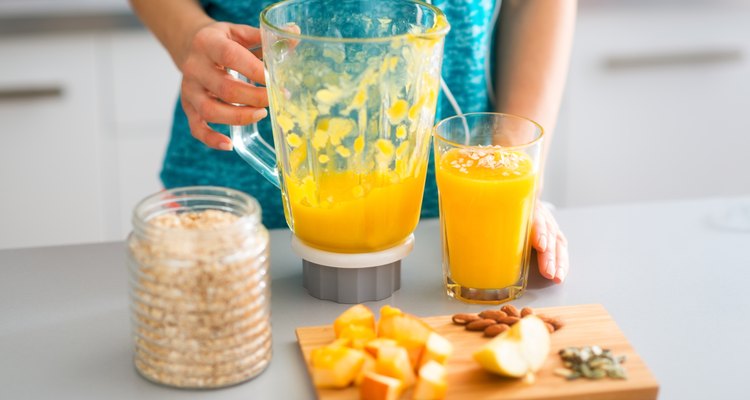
[(675, 282)]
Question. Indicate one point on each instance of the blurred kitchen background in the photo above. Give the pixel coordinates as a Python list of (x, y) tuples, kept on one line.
[(656, 108)]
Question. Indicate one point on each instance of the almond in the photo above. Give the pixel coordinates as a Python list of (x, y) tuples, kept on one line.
[(463, 319), (496, 329), (493, 314), (557, 323), (526, 311), (511, 310), (509, 320), (480, 324)]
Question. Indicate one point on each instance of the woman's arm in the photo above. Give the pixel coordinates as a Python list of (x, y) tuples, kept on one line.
[(534, 43), (173, 22), (202, 49)]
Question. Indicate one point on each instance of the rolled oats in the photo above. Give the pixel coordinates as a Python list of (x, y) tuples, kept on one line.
[(199, 288)]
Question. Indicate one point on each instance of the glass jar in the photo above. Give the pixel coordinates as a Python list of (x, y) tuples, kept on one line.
[(199, 287)]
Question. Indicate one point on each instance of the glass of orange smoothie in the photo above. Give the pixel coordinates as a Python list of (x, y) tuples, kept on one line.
[(486, 166)]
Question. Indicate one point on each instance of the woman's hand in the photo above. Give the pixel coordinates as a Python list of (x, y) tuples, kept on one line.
[(550, 244), (207, 89)]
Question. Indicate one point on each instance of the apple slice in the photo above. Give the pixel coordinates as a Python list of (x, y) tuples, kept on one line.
[(379, 387), (354, 315), (394, 362), (431, 383), (335, 366), (517, 352), (437, 348)]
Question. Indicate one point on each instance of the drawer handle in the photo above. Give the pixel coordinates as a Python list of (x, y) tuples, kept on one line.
[(30, 92), (702, 57)]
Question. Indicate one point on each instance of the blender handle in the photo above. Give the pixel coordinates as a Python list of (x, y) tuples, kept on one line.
[(251, 147)]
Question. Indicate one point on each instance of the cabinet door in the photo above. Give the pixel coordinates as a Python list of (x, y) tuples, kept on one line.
[(50, 156), (658, 105), (144, 87)]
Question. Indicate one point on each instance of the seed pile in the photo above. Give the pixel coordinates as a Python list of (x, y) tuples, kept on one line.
[(591, 362), (495, 322), (199, 296)]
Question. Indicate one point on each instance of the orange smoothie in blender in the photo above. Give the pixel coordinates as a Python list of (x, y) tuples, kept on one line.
[(485, 194), (355, 212)]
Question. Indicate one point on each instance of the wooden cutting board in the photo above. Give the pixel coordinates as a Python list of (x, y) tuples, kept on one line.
[(585, 325)]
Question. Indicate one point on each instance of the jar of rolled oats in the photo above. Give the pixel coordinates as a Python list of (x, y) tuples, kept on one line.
[(199, 288)]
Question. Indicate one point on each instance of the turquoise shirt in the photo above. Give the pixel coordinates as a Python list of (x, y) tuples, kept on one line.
[(189, 162)]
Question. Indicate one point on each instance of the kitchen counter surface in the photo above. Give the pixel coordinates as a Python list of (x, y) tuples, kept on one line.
[(673, 275)]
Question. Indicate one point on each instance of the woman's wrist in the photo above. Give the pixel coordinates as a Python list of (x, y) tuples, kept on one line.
[(183, 37), (173, 22)]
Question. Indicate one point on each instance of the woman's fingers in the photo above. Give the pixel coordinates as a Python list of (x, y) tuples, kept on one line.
[(549, 256), (231, 90), (209, 92), (551, 245), (539, 230), (543, 242), (230, 54), (201, 131), (200, 108), (245, 35), (214, 110), (226, 45), (562, 258)]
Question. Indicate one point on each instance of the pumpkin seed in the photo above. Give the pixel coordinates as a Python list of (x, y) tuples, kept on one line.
[(591, 362)]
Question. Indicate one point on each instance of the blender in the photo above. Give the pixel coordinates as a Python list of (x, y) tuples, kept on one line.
[(352, 86)]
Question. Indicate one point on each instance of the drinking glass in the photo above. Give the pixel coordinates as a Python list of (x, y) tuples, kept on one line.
[(487, 167)]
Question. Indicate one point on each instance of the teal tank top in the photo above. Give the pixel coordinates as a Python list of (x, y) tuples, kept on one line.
[(189, 162)]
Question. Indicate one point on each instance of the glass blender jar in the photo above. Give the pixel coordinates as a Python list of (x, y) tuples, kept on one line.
[(353, 86)]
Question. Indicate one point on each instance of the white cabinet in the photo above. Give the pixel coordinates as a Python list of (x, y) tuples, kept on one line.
[(144, 87), (657, 105), (50, 152), (84, 120)]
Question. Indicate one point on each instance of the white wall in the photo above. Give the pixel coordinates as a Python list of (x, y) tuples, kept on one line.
[(656, 106)]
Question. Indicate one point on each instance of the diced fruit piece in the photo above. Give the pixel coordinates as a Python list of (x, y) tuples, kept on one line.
[(374, 345), (437, 348), (431, 383), (342, 342), (408, 330), (359, 335), (517, 352), (355, 315), (388, 310), (379, 387), (335, 366), (394, 362), (367, 366)]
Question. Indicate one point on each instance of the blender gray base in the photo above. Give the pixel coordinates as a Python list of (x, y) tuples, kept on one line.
[(351, 285)]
